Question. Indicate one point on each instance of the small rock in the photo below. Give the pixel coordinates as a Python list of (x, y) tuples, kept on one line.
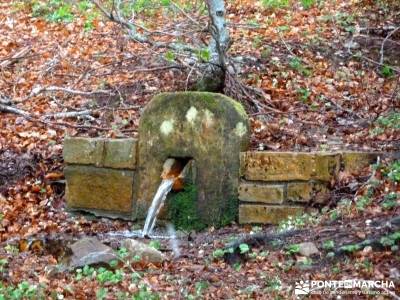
[(89, 251), (367, 250), (145, 252), (308, 249), (394, 273)]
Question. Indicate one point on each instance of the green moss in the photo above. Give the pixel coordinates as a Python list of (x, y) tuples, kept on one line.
[(182, 210)]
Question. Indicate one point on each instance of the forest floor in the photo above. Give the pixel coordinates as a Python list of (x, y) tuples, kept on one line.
[(327, 85)]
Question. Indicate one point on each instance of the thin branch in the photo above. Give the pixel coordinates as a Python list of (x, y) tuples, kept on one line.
[(186, 15), (38, 90), (133, 34), (384, 41), (20, 54)]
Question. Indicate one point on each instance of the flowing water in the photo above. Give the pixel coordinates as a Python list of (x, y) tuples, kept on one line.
[(158, 202)]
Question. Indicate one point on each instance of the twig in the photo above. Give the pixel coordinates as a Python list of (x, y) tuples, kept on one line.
[(186, 15), (144, 39), (384, 41), (20, 54), (13, 110), (38, 90), (69, 114)]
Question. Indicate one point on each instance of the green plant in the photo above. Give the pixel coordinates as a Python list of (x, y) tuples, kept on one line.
[(275, 3), (244, 248), (122, 253), (169, 56), (237, 266), (392, 120), (299, 221), (304, 94), (11, 249), (394, 171), (334, 214), (387, 71), (200, 286), (145, 293), (292, 249), (273, 284), (23, 290), (204, 55), (3, 263), (391, 239), (350, 248), (109, 277), (296, 64), (155, 244), (328, 245), (219, 253), (87, 271), (63, 13), (390, 201), (363, 202), (101, 293), (307, 4)]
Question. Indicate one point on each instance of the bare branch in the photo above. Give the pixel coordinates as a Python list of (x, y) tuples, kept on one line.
[(38, 90), (20, 54), (134, 35), (384, 41)]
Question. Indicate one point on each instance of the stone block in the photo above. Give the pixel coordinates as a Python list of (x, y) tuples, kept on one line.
[(84, 151), (120, 153), (307, 191), (99, 190), (267, 214), (287, 166), (326, 166), (256, 192), (354, 162)]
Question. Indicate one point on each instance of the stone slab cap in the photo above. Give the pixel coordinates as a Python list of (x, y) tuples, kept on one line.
[(286, 166), (258, 192), (83, 151), (99, 152), (99, 189), (267, 214), (120, 153), (209, 128)]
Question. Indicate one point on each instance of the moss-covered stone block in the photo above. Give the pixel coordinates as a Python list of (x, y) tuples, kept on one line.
[(103, 191), (354, 162), (120, 153), (266, 193), (267, 214), (307, 191), (210, 128), (287, 166), (84, 151)]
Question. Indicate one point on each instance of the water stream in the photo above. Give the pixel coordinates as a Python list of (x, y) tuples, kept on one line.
[(156, 205)]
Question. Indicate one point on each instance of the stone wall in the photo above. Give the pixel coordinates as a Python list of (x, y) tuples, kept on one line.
[(275, 185), (100, 175), (102, 178)]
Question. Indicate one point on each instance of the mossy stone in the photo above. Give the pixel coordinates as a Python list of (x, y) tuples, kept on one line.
[(210, 128)]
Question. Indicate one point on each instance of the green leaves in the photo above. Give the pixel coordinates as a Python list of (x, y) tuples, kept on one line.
[(244, 248), (203, 55), (387, 71), (169, 56), (293, 249)]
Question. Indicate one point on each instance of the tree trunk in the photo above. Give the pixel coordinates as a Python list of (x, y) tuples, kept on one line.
[(214, 74)]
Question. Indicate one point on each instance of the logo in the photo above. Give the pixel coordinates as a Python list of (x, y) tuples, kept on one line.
[(302, 287), (343, 287)]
